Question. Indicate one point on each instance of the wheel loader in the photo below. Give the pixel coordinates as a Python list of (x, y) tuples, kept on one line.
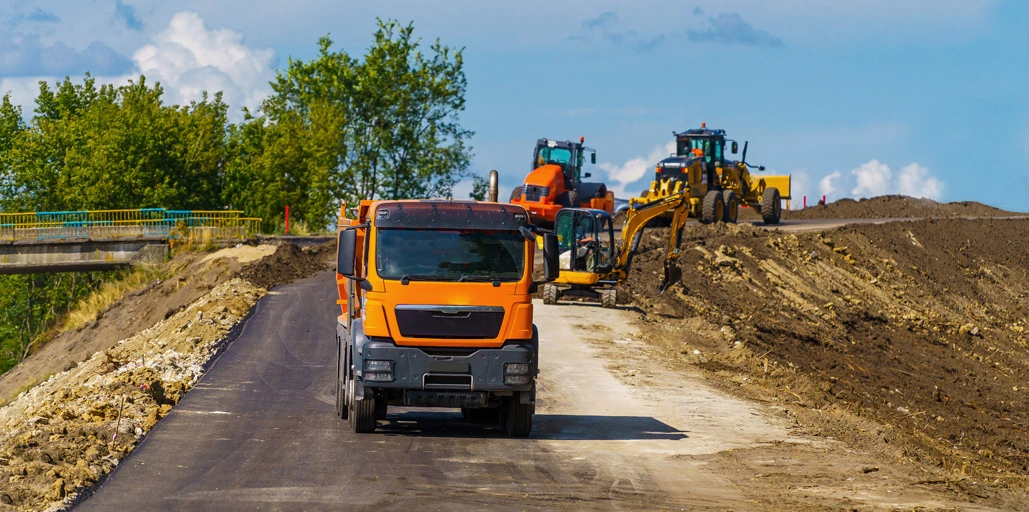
[(436, 310), (592, 262), (555, 182), (718, 187)]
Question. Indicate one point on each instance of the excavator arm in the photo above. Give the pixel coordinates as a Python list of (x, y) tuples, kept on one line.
[(637, 217)]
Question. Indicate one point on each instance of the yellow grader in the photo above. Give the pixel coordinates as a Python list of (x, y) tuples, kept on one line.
[(717, 187)]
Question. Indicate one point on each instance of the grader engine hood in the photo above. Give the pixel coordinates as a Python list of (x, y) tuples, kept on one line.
[(549, 176)]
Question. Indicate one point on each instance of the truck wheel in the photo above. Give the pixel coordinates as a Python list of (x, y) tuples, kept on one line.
[(609, 298), (732, 206), (771, 206), (341, 396), (549, 294), (362, 412), (713, 209), (518, 418), (516, 193)]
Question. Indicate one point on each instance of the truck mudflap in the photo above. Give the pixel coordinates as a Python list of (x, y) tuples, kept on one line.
[(383, 364)]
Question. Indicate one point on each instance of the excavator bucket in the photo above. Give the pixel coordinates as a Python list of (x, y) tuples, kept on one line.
[(673, 274)]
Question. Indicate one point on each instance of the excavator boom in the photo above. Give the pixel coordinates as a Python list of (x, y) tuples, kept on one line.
[(639, 214)]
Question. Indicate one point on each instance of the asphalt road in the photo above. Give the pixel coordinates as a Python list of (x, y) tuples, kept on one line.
[(259, 433)]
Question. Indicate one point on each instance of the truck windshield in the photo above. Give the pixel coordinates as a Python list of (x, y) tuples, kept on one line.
[(450, 255)]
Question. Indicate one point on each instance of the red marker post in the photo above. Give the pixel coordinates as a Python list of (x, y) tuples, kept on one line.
[(287, 219)]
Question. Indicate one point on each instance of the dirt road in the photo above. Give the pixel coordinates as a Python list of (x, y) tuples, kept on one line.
[(614, 431)]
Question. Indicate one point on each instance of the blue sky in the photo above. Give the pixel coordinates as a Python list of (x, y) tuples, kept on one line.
[(853, 98)]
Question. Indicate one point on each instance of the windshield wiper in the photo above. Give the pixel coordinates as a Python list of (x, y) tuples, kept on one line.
[(425, 277), (491, 279)]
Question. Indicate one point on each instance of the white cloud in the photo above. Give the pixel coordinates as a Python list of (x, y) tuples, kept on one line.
[(914, 180), (188, 58), (873, 179), (621, 176), (826, 186)]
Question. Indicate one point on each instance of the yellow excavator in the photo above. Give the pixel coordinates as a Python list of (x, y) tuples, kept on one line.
[(592, 262)]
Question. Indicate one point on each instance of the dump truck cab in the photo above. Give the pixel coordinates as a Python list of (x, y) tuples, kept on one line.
[(436, 311), (555, 181)]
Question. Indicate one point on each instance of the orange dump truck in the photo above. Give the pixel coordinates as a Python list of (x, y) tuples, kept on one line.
[(436, 311)]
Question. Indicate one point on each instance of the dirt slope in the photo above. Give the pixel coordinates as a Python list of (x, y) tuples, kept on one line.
[(906, 339), (193, 275), (895, 206), (106, 385)]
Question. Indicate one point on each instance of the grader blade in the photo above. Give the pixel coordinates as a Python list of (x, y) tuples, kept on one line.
[(673, 274)]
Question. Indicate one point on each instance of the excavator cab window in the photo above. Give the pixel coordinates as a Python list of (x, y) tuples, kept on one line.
[(580, 245)]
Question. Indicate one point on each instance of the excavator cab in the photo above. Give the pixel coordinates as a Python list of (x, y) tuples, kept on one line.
[(586, 241)]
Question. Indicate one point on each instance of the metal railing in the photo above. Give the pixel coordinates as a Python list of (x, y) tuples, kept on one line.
[(139, 223)]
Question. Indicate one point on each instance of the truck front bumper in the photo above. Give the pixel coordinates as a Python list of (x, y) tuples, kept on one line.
[(383, 364)]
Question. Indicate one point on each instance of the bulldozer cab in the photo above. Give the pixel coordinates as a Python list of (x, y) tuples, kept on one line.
[(586, 240), (568, 155)]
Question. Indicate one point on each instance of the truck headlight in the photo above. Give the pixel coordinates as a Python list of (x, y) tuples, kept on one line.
[(516, 368), (516, 374), (378, 371)]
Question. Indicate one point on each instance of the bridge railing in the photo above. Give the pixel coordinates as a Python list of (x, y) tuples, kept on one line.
[(140, 223)]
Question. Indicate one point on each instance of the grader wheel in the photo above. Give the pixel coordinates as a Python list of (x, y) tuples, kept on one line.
[(732, 206), (549, 294), (713, 209), (771, 206)]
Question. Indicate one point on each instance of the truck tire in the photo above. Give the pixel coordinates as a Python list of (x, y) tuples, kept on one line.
[(518, 418), (771, 206), (713, 209), (516, 193), (362, 412), (609, 298), (549, 294), (732, 206), (341, 396)]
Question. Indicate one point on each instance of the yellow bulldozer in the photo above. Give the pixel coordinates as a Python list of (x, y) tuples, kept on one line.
[(593, 262), (717, 186)]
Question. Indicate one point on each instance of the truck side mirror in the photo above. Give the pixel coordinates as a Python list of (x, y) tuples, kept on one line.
[(593, 158), (735, 147), (587, 175), (550, 257), (345, 252)]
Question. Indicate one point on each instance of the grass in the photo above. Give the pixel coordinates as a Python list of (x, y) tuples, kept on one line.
[(89, 309)]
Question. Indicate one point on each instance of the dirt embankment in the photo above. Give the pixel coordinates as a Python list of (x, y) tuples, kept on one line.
[(66, 433), (905, 339), (895, 207)]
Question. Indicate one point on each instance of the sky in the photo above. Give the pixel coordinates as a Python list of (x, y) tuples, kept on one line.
[(926, 98)]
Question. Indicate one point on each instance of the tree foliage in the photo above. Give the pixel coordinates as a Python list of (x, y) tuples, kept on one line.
[(342, 129)]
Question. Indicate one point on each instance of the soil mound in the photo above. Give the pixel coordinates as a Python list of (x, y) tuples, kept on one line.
[(289, 263), (919, 327), (894, 206)]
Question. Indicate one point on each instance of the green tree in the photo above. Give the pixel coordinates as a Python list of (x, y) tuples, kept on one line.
[(480, 187), (344, 129)]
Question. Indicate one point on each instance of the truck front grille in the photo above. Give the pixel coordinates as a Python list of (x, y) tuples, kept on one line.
[(449, 322)]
